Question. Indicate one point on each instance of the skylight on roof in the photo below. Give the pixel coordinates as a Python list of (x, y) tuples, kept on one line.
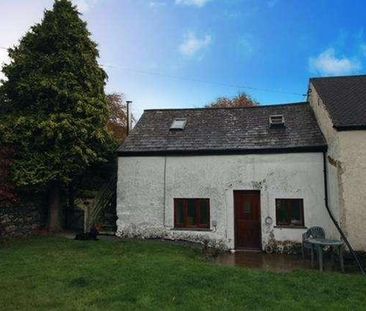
[(178, 124), (276, 120)]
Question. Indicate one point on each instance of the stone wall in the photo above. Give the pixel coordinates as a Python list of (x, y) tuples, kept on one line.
[(19, 221)]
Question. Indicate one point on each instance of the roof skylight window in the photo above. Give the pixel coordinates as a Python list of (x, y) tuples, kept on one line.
[(178, 124), (276, 120)]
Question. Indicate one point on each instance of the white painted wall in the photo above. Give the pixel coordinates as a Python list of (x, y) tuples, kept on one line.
[(346, 174), (145, 197), (352, 165), (333, 169)]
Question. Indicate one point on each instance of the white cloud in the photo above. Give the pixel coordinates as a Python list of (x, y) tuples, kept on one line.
[(193, 44), (3, 60), (84, 5), (197, 3), (327, 63), (156, 4)]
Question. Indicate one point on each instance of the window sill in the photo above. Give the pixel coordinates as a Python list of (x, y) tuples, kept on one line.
[(190, 229), (290, 227)]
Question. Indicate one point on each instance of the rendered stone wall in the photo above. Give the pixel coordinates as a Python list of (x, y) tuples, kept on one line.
[(333, 154), (147, 187), (346, 164), (353, 184)]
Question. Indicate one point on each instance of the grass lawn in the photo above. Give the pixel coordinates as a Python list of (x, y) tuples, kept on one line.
[(56, 273)]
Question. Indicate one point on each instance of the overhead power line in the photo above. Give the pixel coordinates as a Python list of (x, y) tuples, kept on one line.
[(169, 76), (236, 86)]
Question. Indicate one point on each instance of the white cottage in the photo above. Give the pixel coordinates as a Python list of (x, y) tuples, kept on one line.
[(230, 175), (244, 177)]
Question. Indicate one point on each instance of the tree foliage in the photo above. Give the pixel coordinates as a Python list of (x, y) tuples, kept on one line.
[(97, 175), (117, 123), (57, 109), (8, 195), (241, 100)]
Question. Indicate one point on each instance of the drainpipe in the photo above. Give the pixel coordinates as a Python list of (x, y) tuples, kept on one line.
[(333, 218), (164, 192)]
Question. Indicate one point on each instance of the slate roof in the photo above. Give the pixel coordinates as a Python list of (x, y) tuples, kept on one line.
[(225, 131), (345, 100)]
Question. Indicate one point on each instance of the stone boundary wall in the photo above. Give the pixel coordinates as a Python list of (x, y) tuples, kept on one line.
[(19, 221)]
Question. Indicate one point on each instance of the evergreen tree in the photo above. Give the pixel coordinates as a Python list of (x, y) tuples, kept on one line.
[(56, 108)]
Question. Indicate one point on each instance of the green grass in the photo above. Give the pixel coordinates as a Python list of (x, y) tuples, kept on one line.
[(61, 274)]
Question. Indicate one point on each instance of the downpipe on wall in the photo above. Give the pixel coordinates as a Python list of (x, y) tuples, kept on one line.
[(164, 192), (344, 238)]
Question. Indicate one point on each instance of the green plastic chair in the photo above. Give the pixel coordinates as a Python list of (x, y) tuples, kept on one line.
[(312, 233)]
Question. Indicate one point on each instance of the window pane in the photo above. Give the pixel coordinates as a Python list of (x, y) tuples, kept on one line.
[(205, 213), (179, 212), (191, 213), (296, 212), (248, 210), (282, 212), (289, 212), (283, 217)]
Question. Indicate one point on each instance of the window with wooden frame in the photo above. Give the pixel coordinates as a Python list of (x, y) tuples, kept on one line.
[(192, 213), (290, 212)]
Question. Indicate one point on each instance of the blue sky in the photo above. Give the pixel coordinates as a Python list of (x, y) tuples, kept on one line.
[(186, 53)]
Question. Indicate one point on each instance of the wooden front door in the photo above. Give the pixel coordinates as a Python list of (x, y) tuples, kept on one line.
[(247, 219)]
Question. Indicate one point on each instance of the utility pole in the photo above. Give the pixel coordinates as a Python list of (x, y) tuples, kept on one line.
[(128, 102)]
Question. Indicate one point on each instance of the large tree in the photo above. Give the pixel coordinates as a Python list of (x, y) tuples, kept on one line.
[(56, 107), (241, 100)]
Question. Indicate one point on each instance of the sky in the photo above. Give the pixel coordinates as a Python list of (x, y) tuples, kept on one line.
[(186, 53)]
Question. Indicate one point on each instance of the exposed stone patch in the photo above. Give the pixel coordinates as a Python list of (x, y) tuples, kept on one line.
[(281, 247), (149, 232), (19, 221)]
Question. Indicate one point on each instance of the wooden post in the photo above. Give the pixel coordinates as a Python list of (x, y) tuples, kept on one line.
[(341, 257), (86, 218), (320, 256)]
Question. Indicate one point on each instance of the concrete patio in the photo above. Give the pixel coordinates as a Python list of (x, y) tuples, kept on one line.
[(271, 262)]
